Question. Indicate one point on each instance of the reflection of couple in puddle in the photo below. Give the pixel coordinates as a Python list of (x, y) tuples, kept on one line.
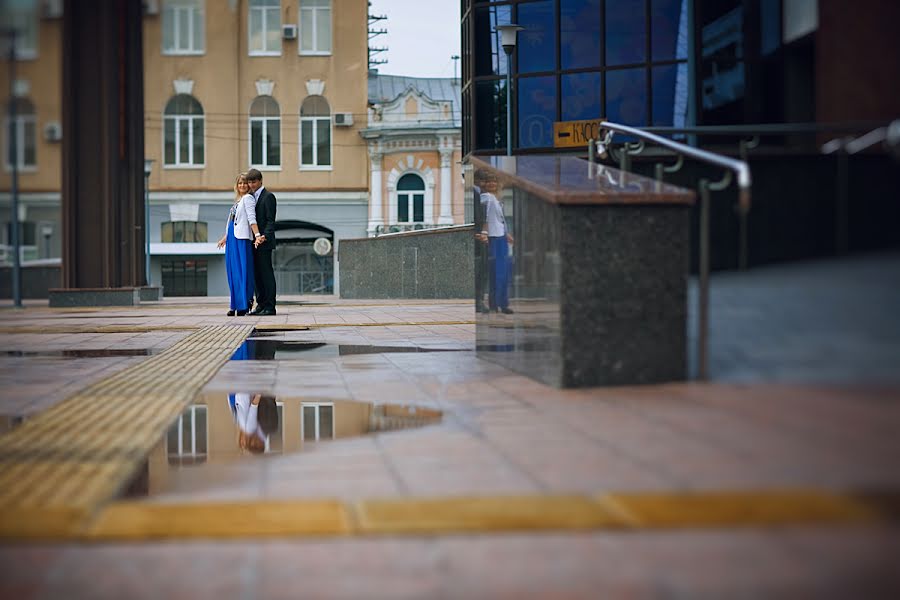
[(256, 417)]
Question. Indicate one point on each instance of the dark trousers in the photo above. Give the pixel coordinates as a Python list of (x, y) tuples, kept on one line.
[(265, 279), (481, 272)]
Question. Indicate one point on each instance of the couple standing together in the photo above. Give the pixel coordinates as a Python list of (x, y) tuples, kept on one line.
[(249, 241)]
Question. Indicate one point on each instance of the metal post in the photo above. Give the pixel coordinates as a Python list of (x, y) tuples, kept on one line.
[(508, 104), (147, 227), (14, 189), (658, 171), (703, 314)]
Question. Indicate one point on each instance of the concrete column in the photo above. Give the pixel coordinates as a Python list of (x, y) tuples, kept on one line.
[(375, 218), (446, 217)]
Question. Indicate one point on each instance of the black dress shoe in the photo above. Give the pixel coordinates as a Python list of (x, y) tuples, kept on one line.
[(267, 312), (241, 313), (230, 313)]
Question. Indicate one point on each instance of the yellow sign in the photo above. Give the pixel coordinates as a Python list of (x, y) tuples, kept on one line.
[(571, 134)]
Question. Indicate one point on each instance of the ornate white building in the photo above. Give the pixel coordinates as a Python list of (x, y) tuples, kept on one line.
[(414, 142)]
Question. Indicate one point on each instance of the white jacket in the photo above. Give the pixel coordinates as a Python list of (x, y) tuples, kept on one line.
[(244, 216)]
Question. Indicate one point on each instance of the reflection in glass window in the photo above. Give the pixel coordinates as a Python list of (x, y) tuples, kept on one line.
[(537, 111), (183, 132), (723, 59), (315, 132), (626, 97), (317, 422), (626, 34), (487, 36), (670, 95), (182, 27), (265, 27), (21, 136), (186, 441), (536, 47), (580, 35), (490, 116), (184, 232), (265, 132), (769, 25), (315, 26), (581, 96), (21, 15), (668, 23), (410, 192)]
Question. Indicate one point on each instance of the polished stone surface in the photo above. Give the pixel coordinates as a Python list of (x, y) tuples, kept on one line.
[(61, 297), (430, 264), (569, 180), (599, 275)]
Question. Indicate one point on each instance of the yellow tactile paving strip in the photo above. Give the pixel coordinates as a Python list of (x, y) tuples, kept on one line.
[(134, 521), (60, 466), (257, 326)]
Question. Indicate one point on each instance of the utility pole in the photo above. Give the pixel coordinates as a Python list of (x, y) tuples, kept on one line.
[(10, 35), (373, 33)]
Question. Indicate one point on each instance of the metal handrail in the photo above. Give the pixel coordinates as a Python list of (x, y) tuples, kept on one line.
[(732, 167), (768, 129)]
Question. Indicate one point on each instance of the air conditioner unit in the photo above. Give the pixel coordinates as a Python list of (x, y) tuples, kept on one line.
[(151, 7), (53, 131), (343, 119), (289, 32), (52, 9)]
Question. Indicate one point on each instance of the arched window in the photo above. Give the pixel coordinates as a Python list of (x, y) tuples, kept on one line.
[(183, 132), (21, 139), (265, 132), (315, 133), (411, 189)]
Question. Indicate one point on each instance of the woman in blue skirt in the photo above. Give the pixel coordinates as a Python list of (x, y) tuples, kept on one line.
[(239, 232)]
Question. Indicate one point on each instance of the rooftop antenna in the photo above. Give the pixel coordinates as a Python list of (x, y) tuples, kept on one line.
[(373, 33)]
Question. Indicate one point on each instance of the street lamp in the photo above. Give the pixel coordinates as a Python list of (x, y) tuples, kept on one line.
[(508, 40), (148, 168)]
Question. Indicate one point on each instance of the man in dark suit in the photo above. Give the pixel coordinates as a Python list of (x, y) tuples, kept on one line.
[(481, 262), (264, 245)]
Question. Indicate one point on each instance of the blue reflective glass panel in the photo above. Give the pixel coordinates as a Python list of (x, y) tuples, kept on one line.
[(769, 25), (626, 32), (626, 97), (669, 34), (670, 92), (491, 59), (536, 45), (490, 114), (581, 96), (580, 35), (537, 111)]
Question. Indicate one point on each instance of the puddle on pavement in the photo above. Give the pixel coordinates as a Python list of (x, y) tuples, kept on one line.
[(219, 435), (268, 349), (103, 353)]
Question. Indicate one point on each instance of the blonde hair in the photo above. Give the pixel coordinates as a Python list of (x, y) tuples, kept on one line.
[(237, 194)]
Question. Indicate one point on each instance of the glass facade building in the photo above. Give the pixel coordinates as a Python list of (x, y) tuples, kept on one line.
[(645, 63)]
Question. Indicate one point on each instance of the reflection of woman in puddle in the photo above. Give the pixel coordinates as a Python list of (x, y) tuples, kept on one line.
[(256, 417)]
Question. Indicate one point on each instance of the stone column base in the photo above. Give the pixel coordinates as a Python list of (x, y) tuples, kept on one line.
[(68, 297)]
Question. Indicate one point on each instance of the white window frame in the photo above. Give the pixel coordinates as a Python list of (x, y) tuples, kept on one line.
[(279, 407), (32, 20), (177, 120), (265, 134), (19, 126), (195, 10), (265, 13), (314, 13), (181, 452), (410, 210), (317, 406), (315, 147)]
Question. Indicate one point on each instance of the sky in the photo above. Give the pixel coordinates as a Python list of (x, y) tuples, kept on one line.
[(422, 36)]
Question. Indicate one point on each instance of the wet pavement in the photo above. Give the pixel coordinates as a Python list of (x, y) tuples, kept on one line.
[(500, 435)]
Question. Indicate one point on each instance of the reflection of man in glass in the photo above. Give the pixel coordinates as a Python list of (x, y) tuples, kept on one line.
[(499, 241), (256, 418), (481, 255)]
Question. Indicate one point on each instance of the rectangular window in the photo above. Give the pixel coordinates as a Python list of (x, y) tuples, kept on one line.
[(315, 142), (403, 208), (183, 27), (184, 277), (265, 27), (21, 142), (186, 440), (317, 422), (418, 208), (256, 142), (315, 27), (22, 16)]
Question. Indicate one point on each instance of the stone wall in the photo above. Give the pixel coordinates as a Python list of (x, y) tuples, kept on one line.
[(433, 263)]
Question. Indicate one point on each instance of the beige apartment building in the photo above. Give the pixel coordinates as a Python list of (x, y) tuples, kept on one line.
[(279, 85)]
